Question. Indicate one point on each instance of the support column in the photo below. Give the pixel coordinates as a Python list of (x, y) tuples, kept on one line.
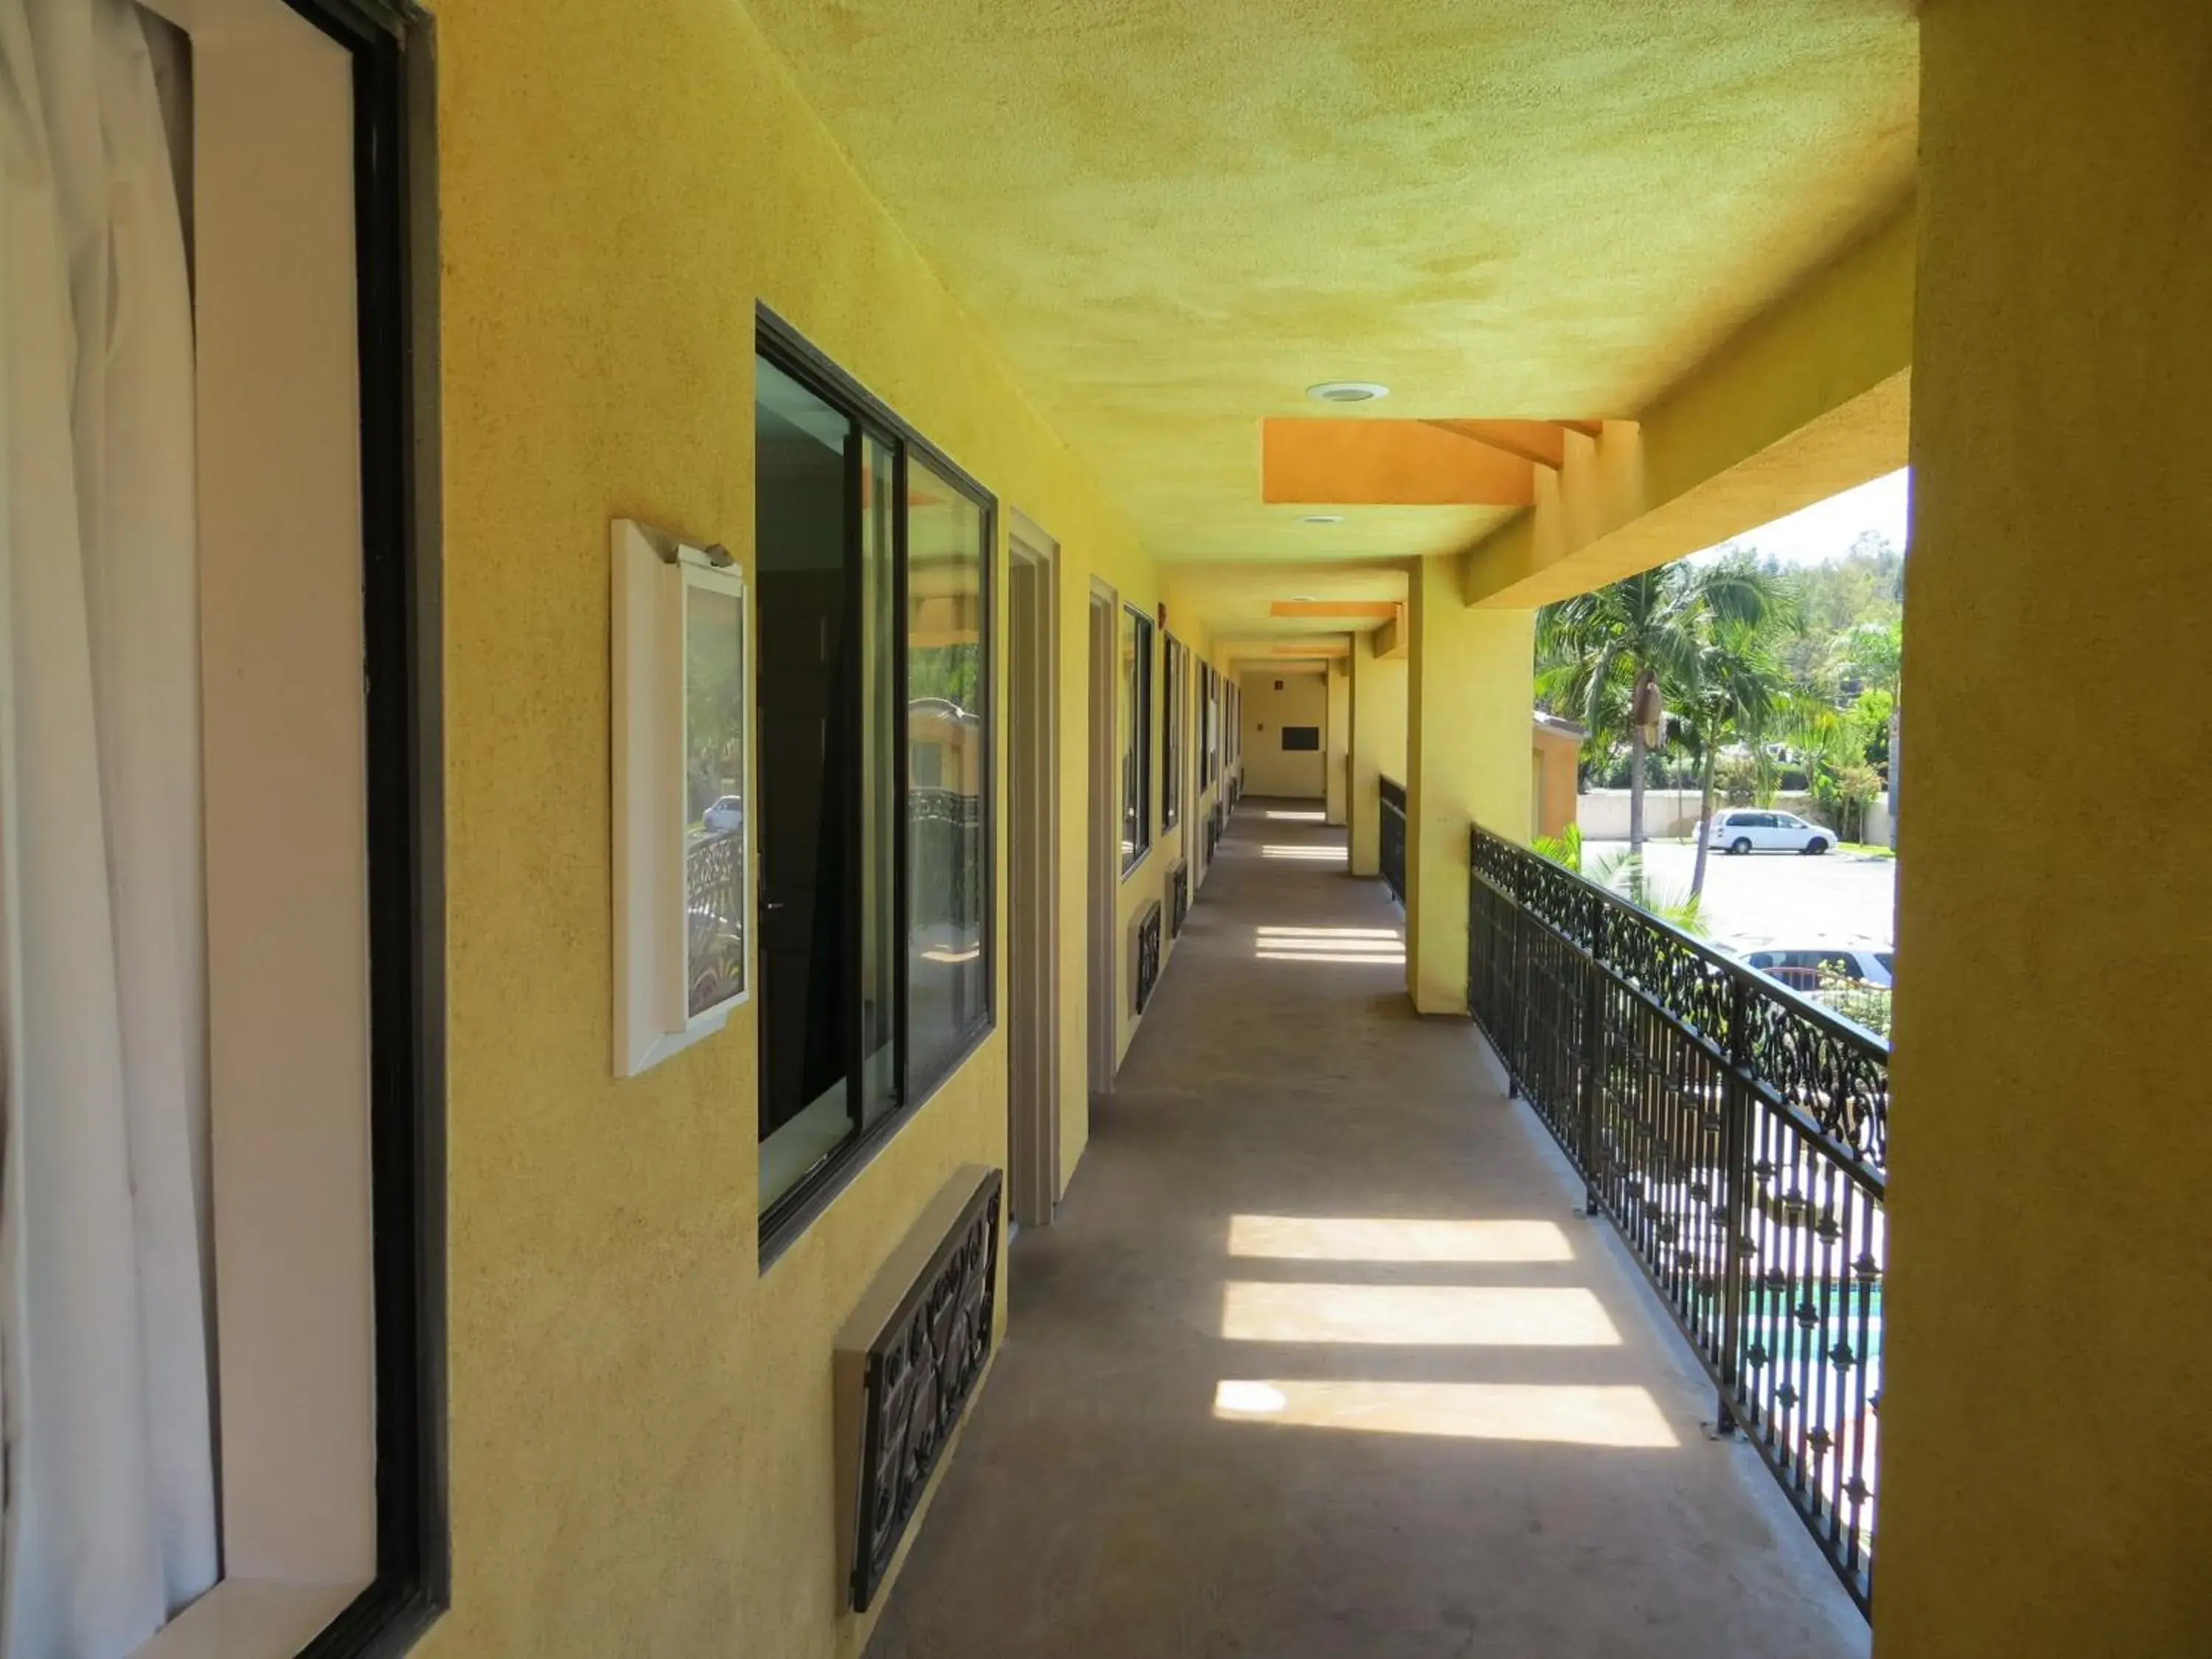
[(1336, 740), (2047, 1221), (1377, 685), (1469, 708)]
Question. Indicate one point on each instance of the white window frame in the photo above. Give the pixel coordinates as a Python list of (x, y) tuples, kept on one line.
[(276, 275)]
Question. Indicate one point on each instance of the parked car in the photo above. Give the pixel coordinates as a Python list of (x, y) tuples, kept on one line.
[(727, 814), (1760, 830), (1800, 967)]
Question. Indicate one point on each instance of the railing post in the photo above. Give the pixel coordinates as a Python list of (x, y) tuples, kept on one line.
[(1593, 1042), (1735, 1201)]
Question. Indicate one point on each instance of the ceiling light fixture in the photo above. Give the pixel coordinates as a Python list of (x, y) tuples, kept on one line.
[(1348, 391), (1321, 518)]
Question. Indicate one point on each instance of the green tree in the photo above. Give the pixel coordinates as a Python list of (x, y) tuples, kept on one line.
[(1625, 647), (1739, 694), (1872, 655)]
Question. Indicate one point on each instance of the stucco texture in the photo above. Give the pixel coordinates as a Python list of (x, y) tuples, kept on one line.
[(2046, 1442), (1269, 769), (641, 1420), (1467, 752), (1376, 713), (1193, 209)]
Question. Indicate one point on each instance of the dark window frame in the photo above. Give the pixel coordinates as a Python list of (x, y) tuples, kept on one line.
[(1142, 751), (1176, 671), (1208, 682), (790, 1215)]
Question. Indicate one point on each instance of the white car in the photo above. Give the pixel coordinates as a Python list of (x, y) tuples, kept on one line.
[(1800, 967), (1762, 830), (727, 814)]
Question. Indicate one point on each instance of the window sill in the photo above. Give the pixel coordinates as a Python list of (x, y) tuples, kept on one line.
[(783, 1227), (251, 1619), (1137, 863)]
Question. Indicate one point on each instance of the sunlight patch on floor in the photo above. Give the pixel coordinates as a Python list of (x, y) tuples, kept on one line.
[(1359, 1238), (1397, 958), (1416, 1315), (1299, 851), (1355, 944), (1297, 818), (1572, 1414)]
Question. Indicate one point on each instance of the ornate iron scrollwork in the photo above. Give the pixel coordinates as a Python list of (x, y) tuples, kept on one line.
[(1179, 896), (920, 1373), (1735, 1132), (1147, 973)]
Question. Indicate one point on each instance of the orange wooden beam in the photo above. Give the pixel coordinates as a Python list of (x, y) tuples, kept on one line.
[(1543, 442), (1319, 461), (1362, 608)]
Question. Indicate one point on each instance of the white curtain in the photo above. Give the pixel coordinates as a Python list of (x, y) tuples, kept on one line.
[(110, 1522)]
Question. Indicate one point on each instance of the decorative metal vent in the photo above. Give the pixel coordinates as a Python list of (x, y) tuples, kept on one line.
[(906, 1364), (1147, 943), (1178, 897)]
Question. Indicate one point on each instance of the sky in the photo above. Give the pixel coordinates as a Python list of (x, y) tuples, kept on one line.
[(1828, 529)]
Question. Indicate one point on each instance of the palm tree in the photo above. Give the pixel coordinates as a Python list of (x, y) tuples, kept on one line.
[(1638, 640), (1741, 692)]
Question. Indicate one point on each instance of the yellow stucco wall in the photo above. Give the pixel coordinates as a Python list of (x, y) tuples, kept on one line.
[(1302, 700), (1467, 742), (1336, 738), (1378, 744), (2046, 1442), (641, 1440)]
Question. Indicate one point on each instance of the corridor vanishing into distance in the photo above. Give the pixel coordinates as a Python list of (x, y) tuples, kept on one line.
[(1319, 1360)]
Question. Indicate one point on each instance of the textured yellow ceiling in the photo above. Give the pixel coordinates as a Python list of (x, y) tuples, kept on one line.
[(1176, 214)]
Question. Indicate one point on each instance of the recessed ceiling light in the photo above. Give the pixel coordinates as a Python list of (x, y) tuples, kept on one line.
[(1348, 391), (1321, 518), (1304, 598)]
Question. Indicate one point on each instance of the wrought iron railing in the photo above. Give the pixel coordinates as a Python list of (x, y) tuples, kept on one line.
[(1735, 1133), (715, 912), (1391, 854), (945, 830)]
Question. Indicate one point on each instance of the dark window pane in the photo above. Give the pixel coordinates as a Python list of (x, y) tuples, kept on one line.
[(880, 752), (802, 507), (947, 975), (1172, 675), (1136, 731)]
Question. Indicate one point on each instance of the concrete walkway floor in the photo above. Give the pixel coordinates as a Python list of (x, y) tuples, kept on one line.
[(1318, 1360)]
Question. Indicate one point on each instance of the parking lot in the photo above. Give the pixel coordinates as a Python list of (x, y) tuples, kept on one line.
[(1777, 897)]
